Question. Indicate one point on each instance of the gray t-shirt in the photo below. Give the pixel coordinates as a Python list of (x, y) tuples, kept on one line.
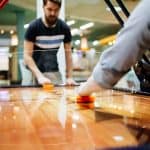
[(131, 43)]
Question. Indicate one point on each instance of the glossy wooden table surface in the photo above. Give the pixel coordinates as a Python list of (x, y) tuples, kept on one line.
[(34, 119)]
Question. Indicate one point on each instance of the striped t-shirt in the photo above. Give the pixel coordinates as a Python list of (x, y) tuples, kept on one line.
[(46, 41)]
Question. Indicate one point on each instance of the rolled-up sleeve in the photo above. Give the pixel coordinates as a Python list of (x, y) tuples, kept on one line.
[(131, 43)]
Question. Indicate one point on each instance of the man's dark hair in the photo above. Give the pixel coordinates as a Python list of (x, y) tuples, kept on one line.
[(58, 2)]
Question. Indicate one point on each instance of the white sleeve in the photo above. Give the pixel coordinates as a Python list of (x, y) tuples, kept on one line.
[(131, 43)]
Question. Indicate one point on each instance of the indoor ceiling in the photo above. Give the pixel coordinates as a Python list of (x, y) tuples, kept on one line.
[(82, 11)]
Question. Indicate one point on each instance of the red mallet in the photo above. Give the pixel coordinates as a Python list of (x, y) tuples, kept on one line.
[(85, 99)]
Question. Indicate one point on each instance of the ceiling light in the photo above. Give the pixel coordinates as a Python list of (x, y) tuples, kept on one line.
[(86, 26), (11, 31), (26, 26), (95, 43), (71, 22), (2, 31), (75, 31), (110, 43), (77, 42)]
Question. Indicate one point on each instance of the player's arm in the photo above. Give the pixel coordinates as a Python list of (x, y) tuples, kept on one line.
[(28, 50), (28, 60), (130, 44), (89, 87), (68, 56), (69, 68)]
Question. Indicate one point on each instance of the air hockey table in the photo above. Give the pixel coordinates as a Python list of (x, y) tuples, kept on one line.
[(32, 118)]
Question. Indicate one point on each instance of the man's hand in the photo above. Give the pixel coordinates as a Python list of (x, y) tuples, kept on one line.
[(70, 81), (43, 80), (89, 87)]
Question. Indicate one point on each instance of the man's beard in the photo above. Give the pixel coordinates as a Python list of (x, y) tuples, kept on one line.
[(50, 20)]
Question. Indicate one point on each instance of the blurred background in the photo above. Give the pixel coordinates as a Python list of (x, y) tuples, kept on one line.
[(93, 28)]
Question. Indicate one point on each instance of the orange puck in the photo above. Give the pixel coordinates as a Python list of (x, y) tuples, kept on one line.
[(48, 86), (85, 99)]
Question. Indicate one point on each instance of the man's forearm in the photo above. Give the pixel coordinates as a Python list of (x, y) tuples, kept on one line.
[(32, 66), (68, 64)]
